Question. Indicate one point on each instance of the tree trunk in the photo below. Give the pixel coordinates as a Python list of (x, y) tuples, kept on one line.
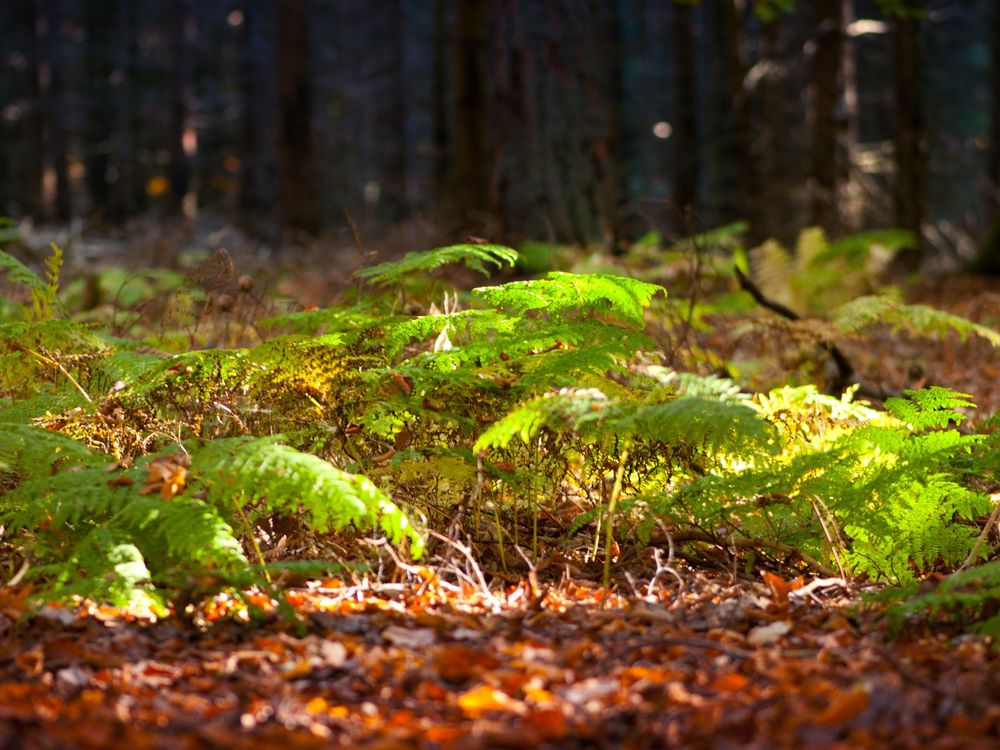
[(851, 198), (738, 201), (101, 22), (468, 159), (129, 194), (993, 162), (181, 133), (249, 201), (772, 207), (826, 71), (685, 136), (55, 112), (908, 133), (298, 184), (31, 160), (439, 99), (395, 116)]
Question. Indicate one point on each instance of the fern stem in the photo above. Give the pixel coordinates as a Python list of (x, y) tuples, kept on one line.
[(57, 365), (816, 502), (503, 555), (616, 492), (253, 542), (990, 523)]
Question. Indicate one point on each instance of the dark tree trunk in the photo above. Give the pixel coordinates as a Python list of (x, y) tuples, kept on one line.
[(439, 99), (772, 208), (250, 143), (182, 32), (55, 111), (741, 186), (31, 160), (685, 136), (826, 72), (908, 135), (102, 18), (395, 115), (993, 163), (609, 151), (851, 200), (298, 184), (129, 195), (468, 159)]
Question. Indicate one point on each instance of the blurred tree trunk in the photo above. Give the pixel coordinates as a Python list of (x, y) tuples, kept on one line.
[(987, 260), (468, 180), (250, 144), (181, 38), (31, 160), (610, 160), (738, 202), (908, 134), (826, 72), (101, 20), (851, 198), (54, 90), (395, 114), (129, 195), (685, 136), (772, 211), (439, 100), (298, 183)]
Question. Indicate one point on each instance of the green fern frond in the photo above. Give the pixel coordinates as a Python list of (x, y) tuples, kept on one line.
[(859, 248), (292, 481), (20, 274), (930, 407), (579, 295), (710, 425), (723, 237), (31, 452), (354, 324), (864, 312), (691, 384), (475, 257), (564, 410), (968, 597)]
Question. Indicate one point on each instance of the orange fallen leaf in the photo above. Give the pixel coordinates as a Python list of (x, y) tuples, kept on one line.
[(731, 682), (485, 698), (846, 707), (548, 723)]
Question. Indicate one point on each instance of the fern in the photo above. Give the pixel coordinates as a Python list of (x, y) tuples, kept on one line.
[(565, 294), (291, 481), (968, 597), (475, 257), (864, 312)]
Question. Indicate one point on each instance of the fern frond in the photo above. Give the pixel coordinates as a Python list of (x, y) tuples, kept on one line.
[(20, 274), (565, 294), (969, 596), (31, 452), (930, 407), (475, 257), (564, 410), (774, 269), (292, 481), (863, 312)]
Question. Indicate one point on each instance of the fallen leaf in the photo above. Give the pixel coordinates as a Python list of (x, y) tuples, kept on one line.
[(765, 634), (846, 707), (485, 698), (409, 637)]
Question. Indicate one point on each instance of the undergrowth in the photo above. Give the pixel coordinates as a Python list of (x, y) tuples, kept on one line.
[(525, 417)]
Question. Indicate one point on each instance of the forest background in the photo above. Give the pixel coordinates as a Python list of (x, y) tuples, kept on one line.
[(559, 120)]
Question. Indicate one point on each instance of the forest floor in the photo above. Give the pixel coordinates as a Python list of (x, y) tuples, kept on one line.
[(722, 664), (703, 659)]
